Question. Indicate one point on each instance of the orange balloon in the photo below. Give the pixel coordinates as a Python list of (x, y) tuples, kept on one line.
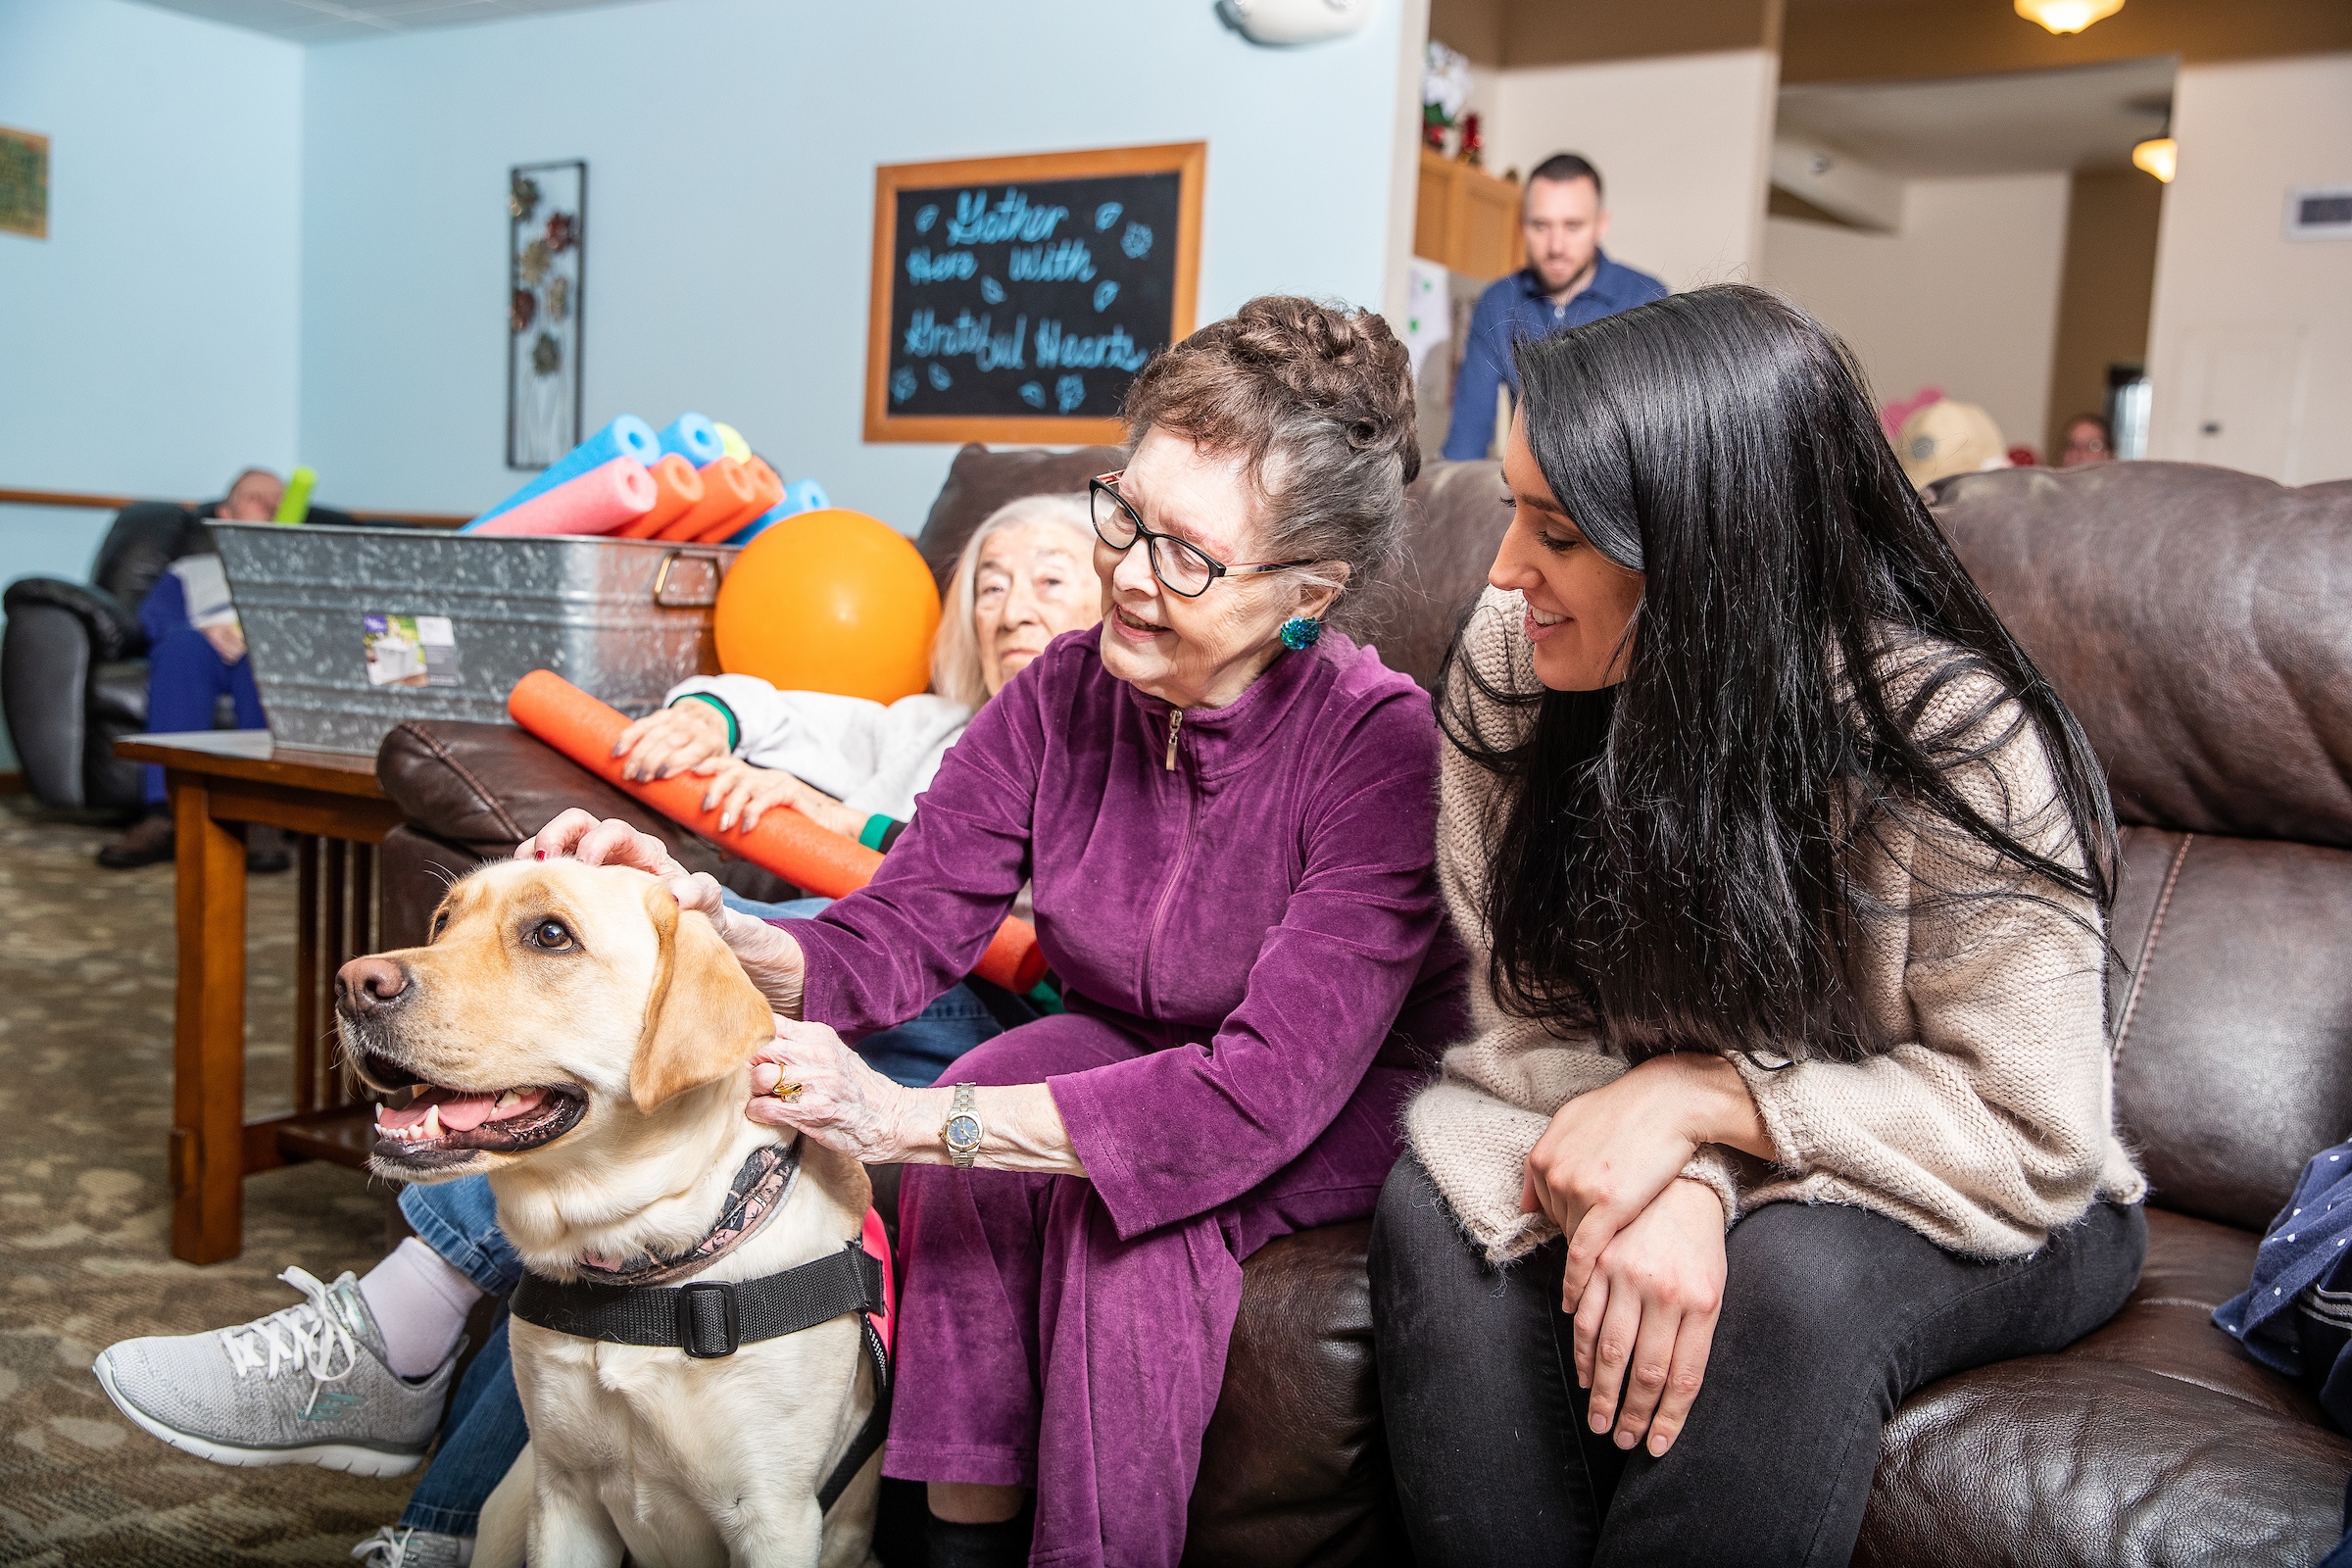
[(831, 600)]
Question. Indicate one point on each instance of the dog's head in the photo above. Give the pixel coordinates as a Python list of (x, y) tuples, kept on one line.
[(549, 992)]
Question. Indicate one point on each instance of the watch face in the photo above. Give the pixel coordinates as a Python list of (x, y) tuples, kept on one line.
[(964, 1130)]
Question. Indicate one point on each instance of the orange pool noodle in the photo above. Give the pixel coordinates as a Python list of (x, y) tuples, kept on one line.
[(680, 487), (726, 490), (785, 841), (767, 491), (830, 601)]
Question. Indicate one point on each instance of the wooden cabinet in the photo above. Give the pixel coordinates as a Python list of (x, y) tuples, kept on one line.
[(1467, 221)]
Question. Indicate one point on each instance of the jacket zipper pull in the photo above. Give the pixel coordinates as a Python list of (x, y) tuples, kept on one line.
[(1175, 728)]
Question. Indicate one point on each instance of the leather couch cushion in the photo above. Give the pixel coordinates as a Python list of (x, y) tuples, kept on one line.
[(2193, 619), (2156, 1439), (979, 481), (2232, 1027), (486, 787), (1292, 1467)]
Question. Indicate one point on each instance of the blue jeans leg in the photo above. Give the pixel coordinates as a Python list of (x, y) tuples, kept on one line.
[(185, 677), (917, 1052), (460, 1221), (479, 1443)]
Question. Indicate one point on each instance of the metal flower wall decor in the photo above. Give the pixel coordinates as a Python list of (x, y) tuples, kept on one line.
[(547, 205)]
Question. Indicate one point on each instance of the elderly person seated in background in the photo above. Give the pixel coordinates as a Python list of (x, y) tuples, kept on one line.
[(1229, 825), (855, 767), (195, 656)]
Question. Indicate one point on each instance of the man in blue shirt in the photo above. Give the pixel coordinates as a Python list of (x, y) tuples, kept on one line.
[(1567, 282)]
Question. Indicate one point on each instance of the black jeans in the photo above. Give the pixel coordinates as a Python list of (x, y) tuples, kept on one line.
[(1831, 1316)]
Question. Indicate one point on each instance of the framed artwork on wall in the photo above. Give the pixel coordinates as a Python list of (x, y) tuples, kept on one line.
[(547, 211), (23, 183)]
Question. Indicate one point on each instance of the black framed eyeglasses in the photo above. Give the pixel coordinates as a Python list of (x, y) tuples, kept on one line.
[(1182, 568)]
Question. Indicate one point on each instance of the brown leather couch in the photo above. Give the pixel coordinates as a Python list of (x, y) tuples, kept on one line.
[(2199, 623)]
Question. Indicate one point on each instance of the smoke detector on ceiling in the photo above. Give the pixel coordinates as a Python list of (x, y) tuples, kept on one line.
[(1294, 21)]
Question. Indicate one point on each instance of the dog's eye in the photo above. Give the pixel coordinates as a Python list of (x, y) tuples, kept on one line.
[(440, 924), (552, 935)]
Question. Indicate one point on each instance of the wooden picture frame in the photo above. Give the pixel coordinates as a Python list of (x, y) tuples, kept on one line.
[(1188, 161), (23, 183)]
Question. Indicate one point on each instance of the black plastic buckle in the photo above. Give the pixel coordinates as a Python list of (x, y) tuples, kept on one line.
[(708, 1325)]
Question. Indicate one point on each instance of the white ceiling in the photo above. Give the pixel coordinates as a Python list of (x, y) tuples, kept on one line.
[(2028, 122), (318, 21)]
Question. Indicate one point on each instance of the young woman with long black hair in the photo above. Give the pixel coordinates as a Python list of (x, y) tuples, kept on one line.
[(1784, 871)]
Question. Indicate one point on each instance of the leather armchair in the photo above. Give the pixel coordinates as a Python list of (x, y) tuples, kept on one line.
[(72, 664), (2195, 620)]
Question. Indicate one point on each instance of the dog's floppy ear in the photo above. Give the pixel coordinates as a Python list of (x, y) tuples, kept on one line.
[(702, 1016)]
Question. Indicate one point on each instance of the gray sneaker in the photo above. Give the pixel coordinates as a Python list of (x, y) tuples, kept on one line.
[(304, 1385), (395, 1547)]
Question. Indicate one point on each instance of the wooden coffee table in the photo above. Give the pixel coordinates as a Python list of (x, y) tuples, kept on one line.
[(332, 803)]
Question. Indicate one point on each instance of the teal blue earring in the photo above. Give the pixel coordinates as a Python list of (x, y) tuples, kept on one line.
[(1301, 632)]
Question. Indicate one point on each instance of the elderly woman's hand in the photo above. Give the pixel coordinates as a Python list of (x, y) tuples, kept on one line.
[(841, 1101), (769, 959), (689, 735), (738, 790)]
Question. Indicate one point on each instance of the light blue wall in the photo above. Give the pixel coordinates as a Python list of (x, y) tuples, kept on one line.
[(148, 345), (731, 147)]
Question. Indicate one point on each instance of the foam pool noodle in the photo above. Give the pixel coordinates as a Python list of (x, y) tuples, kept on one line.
[(625, 437), (802, 495), (726, 490), (732, 439), (598, 502), (680, 488), (694, 438), (295, 504), (767, 491), (785, 841)]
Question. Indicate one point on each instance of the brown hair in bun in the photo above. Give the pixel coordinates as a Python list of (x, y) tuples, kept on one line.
[(1319, 398)]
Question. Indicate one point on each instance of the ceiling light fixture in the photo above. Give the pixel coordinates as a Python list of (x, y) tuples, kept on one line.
[(2068, 16), (2160, 156)]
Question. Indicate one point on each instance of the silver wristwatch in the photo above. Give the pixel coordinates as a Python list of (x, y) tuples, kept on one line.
[(962, 1131)]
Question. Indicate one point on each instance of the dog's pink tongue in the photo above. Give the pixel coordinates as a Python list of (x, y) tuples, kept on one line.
[(462, 1114)]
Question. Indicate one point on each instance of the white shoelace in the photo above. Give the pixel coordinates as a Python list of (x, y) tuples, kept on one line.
[(388, 1548), (305, 1335)]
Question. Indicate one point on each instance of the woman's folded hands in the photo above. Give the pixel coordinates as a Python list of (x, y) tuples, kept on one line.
[(1645, 1269)]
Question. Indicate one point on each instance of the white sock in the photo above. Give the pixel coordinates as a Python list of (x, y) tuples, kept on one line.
[(419, 1301)]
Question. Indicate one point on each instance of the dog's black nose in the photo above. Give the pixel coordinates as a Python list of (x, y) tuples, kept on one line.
[(370, 985)]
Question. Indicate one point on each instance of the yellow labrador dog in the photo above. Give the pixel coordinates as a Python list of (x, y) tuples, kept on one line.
[(572, 1034)]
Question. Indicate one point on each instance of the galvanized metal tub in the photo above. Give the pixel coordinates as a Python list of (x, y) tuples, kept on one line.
[(623, 618)]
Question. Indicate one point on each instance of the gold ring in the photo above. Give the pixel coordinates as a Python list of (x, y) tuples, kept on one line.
[(786, 1092)]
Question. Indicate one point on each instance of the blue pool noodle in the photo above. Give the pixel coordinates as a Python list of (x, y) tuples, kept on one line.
[(625, 437), (694, 438), (802, 495)]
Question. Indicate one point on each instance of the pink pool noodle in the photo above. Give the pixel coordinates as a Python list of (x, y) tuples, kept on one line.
[(604, 498)]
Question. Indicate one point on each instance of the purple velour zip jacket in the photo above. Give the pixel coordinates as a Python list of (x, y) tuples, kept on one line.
[(1250, 889)]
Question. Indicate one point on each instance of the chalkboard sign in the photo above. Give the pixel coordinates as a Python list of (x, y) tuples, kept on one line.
[(1016, 298)]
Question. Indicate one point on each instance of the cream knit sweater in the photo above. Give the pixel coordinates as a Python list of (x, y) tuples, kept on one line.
[(1990, 1123)]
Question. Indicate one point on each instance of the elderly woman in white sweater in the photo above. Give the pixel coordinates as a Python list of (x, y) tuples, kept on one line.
[(1783, 872), (1025, 578)]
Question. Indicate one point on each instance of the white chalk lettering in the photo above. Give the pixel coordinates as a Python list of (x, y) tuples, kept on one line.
[(1113, 347), (924, 268), (1065, 261), (977, 223), (929, 338)]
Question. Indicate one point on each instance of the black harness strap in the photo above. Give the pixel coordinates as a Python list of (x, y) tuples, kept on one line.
[(713, 1318)]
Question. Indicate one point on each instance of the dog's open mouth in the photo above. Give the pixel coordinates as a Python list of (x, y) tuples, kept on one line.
[(440, 1125)]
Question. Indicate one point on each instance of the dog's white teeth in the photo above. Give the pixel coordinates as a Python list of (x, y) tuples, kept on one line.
[(510, 1097), (430, 1127)]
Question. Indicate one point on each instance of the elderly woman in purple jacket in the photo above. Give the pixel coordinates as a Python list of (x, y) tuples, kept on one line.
[(1228, 823)]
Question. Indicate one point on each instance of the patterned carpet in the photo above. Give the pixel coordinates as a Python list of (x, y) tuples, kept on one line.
[(85, 1088)]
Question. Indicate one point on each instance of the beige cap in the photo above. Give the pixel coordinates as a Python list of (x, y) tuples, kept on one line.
[(1946, 438)]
